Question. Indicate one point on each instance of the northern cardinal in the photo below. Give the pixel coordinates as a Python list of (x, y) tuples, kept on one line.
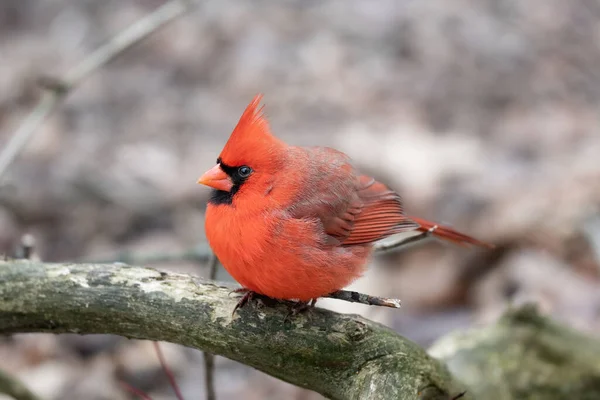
[(299, 223)]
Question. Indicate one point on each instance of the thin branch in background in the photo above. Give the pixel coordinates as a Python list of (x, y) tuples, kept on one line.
[(12, 387), (57, 89), (133, 390), (168, 371), (591, 230), (361, 298), (26, 248), (209, 375), (209, 358), (213, 264)]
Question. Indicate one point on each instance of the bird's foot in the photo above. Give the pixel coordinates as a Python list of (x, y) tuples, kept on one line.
[(300, 307), (248, 295)]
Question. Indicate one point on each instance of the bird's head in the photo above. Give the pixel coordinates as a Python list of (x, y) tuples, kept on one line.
[(249, 160)]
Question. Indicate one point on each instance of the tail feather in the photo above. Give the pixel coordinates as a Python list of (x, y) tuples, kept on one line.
[(448, 234)]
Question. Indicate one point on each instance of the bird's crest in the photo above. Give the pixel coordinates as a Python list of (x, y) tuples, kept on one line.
[(251, 139)]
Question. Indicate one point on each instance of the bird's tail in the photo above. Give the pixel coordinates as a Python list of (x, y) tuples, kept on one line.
[(448, 234)]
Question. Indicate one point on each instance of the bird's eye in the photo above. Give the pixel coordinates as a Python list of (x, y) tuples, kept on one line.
[(244, 171)]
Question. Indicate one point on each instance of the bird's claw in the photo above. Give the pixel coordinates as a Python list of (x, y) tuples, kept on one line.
[(248, 295), (295, 309), (300, 307)]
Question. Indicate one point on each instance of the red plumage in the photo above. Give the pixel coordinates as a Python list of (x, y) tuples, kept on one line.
[(302, 222)]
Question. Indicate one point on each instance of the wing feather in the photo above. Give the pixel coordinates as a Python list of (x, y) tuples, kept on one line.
[(354, 209), (381, 214)]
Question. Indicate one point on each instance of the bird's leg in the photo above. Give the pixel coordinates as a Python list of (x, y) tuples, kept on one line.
[(248, 295), (243, 300), (380, 247), (251, 295), (300, 307)]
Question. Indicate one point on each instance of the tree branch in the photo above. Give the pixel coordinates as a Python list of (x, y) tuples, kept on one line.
[(339, 356), (525, 355), (15, 389), (57, 89)]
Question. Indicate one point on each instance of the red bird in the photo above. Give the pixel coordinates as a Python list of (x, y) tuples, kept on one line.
[(293, 222)]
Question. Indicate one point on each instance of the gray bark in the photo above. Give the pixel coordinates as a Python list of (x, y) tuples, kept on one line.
[(524, 356), (339, 356)]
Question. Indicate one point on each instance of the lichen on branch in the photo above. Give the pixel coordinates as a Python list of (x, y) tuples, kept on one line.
[(339, 356)]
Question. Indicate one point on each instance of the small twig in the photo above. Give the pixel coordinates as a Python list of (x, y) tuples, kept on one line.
[(14, 388), (26, 249), (59, 88), (22, 135), (209, 358), (356, 297), (135, 391), (168, 371), (591, 230), (213, 264), (209, 375)]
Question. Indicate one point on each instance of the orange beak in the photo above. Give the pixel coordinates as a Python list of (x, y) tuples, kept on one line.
[(216, 178)]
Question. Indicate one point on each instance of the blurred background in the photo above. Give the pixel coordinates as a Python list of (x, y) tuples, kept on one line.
[(484, 115)]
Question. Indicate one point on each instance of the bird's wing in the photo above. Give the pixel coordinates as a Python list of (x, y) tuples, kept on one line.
[(353, 209), (374, 213)]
